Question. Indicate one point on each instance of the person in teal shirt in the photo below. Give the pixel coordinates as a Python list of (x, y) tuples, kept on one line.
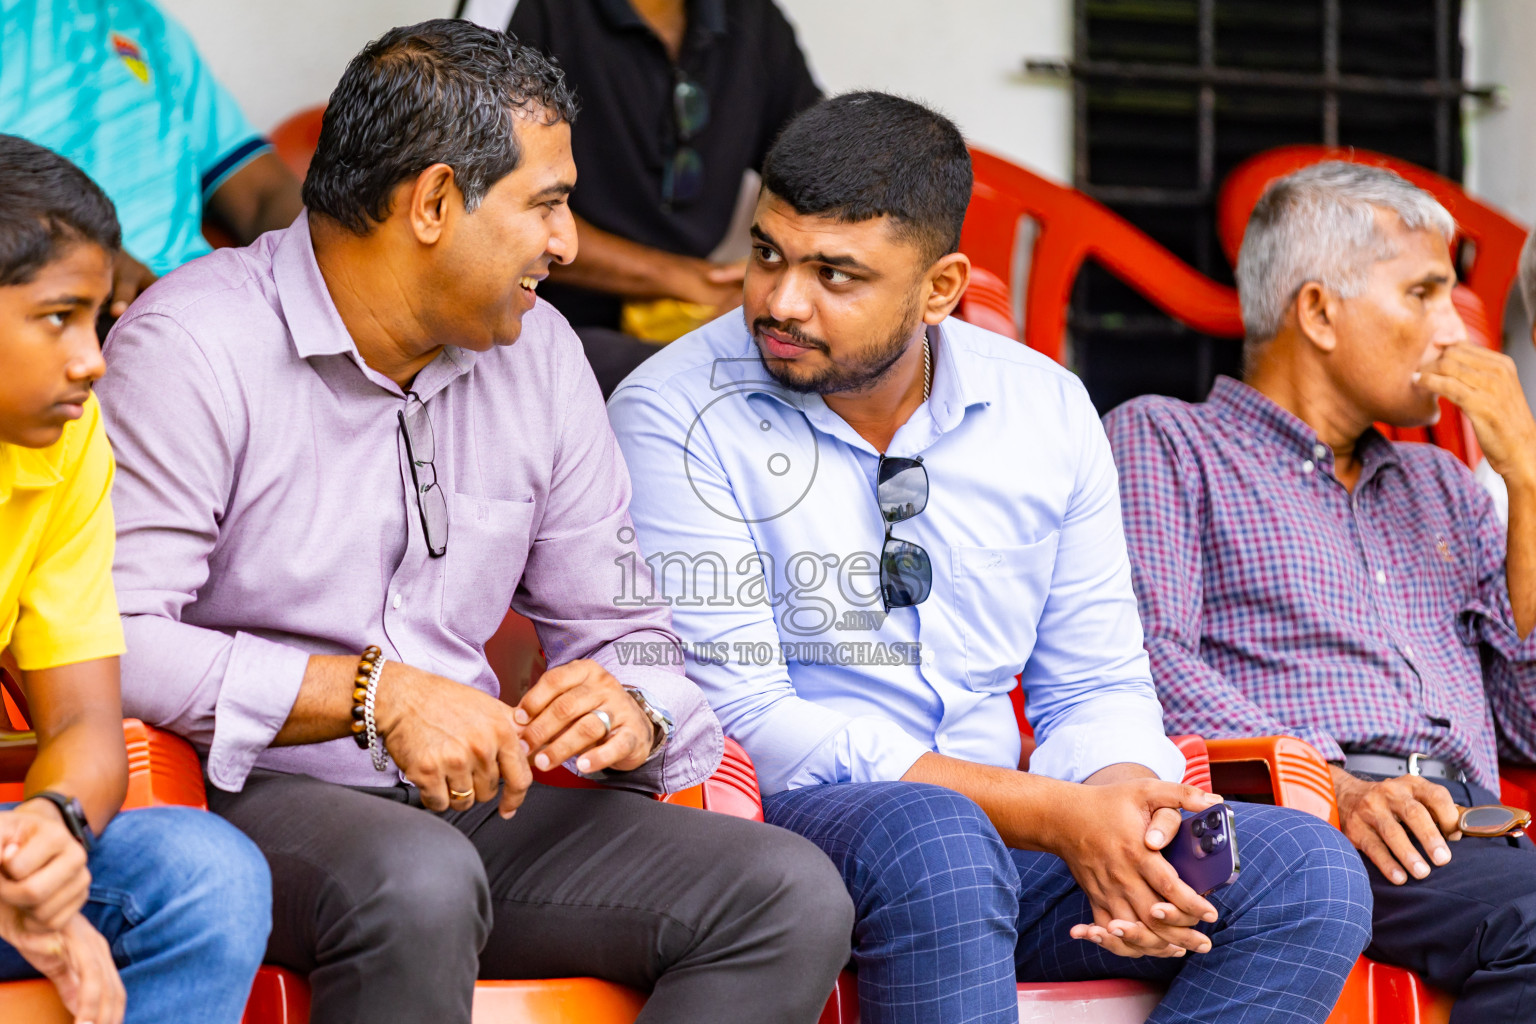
[(118, 88)]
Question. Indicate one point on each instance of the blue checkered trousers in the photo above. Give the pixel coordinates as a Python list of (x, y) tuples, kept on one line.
[(949, 918)]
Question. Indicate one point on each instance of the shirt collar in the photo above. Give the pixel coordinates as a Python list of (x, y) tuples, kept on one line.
[(317, 328), (1258, 418), (313, 322)]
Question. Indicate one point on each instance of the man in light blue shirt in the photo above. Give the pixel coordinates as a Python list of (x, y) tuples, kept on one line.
[(868, 518), (118, 88)]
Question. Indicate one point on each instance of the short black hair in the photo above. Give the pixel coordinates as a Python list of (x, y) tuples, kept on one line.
[(47, 205), (870, 154), (444, 91)]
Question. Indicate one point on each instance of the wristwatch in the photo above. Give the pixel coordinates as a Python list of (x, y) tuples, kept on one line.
[(660, 719), (73, 815)]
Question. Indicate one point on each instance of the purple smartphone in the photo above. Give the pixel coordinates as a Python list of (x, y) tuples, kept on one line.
[(1204, 849)]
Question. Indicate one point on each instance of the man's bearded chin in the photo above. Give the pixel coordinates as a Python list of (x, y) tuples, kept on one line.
[(867, 370)]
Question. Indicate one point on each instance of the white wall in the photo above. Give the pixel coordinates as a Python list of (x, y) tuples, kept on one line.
[(279, 56), (1501, 141), (964, 56)]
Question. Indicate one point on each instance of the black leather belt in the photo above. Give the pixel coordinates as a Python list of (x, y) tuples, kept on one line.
[(1393, 766)]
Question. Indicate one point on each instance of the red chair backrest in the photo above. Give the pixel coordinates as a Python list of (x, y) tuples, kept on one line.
[(1027, 235), (296, 138)]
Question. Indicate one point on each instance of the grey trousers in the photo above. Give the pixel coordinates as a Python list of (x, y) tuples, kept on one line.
[(393, 911)]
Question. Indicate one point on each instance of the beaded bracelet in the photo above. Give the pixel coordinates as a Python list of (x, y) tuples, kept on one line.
[(364, 691)]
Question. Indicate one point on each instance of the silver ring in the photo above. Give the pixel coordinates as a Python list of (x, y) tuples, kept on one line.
[(607, 720)]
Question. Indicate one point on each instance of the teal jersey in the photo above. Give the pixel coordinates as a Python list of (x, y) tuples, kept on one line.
[(118, 87)]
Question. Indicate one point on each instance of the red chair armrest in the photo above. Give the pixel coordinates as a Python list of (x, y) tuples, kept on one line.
[(163, 770), (732, 789), (1285, 768), (1197, 760)]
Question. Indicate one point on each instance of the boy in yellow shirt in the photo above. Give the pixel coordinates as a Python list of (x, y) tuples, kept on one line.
[(161, 914)]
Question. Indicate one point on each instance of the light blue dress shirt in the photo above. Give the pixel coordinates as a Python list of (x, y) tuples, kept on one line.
[(756, 511)]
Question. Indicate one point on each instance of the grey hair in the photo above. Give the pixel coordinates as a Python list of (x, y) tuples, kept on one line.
[(1527, 277), (1319, 224)]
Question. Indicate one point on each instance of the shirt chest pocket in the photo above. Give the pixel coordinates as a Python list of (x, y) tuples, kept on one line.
[(999, 595), (488, 542)]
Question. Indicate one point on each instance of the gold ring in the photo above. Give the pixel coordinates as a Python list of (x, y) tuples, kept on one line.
[(461, 795)]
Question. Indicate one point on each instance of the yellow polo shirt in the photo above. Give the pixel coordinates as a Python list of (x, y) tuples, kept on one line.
[(57, 605)]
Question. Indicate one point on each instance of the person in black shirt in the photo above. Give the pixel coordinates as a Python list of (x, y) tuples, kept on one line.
[(679, 99)]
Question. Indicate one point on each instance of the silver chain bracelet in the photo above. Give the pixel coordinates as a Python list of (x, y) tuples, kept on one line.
[(375, 747)]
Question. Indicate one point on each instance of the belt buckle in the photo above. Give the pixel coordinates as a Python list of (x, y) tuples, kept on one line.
[(1413, 763)]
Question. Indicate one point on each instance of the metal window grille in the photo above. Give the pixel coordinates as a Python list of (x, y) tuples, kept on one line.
[(1170, 95)]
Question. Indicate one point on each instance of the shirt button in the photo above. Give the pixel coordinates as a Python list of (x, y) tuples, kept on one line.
[(1319, 450), (395, 604), (943, 739), (1307, 467), (1381, 576), (1407, 650)]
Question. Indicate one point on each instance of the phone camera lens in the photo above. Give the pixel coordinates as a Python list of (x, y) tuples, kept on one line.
[(1213, 820), (1198, 828), (1206, 844)]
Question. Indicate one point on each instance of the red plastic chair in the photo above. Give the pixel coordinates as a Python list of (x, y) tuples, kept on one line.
[(296, 138), (1028, 237)]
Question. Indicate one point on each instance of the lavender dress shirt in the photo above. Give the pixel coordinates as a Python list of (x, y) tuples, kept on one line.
[(265, 514)]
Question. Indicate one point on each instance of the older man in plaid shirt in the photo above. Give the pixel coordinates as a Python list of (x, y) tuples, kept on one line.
[(1298, 573)]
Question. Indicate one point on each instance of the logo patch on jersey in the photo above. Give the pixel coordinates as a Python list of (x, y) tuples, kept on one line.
[(131, 55)]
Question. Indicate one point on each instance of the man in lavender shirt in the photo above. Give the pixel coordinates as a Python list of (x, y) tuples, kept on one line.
[(365, 430)]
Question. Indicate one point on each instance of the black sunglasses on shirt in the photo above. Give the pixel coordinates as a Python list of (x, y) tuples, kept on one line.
[(682, 177), (906, 572)]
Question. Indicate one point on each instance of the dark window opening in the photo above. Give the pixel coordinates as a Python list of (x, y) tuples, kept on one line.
[(1170, 95)]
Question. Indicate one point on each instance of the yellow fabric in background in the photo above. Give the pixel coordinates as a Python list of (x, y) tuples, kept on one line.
[(57, 605), (662, 320)]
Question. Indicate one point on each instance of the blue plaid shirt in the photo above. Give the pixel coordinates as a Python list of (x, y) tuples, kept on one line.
[(1275, 601)]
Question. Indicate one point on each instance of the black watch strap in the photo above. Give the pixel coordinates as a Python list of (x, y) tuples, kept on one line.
[(73, 815)]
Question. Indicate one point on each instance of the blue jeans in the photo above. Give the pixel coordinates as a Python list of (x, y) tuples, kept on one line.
[(949, 918), (185, 901)]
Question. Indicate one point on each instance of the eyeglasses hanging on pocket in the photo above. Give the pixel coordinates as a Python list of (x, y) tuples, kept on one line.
[(420, 450)]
